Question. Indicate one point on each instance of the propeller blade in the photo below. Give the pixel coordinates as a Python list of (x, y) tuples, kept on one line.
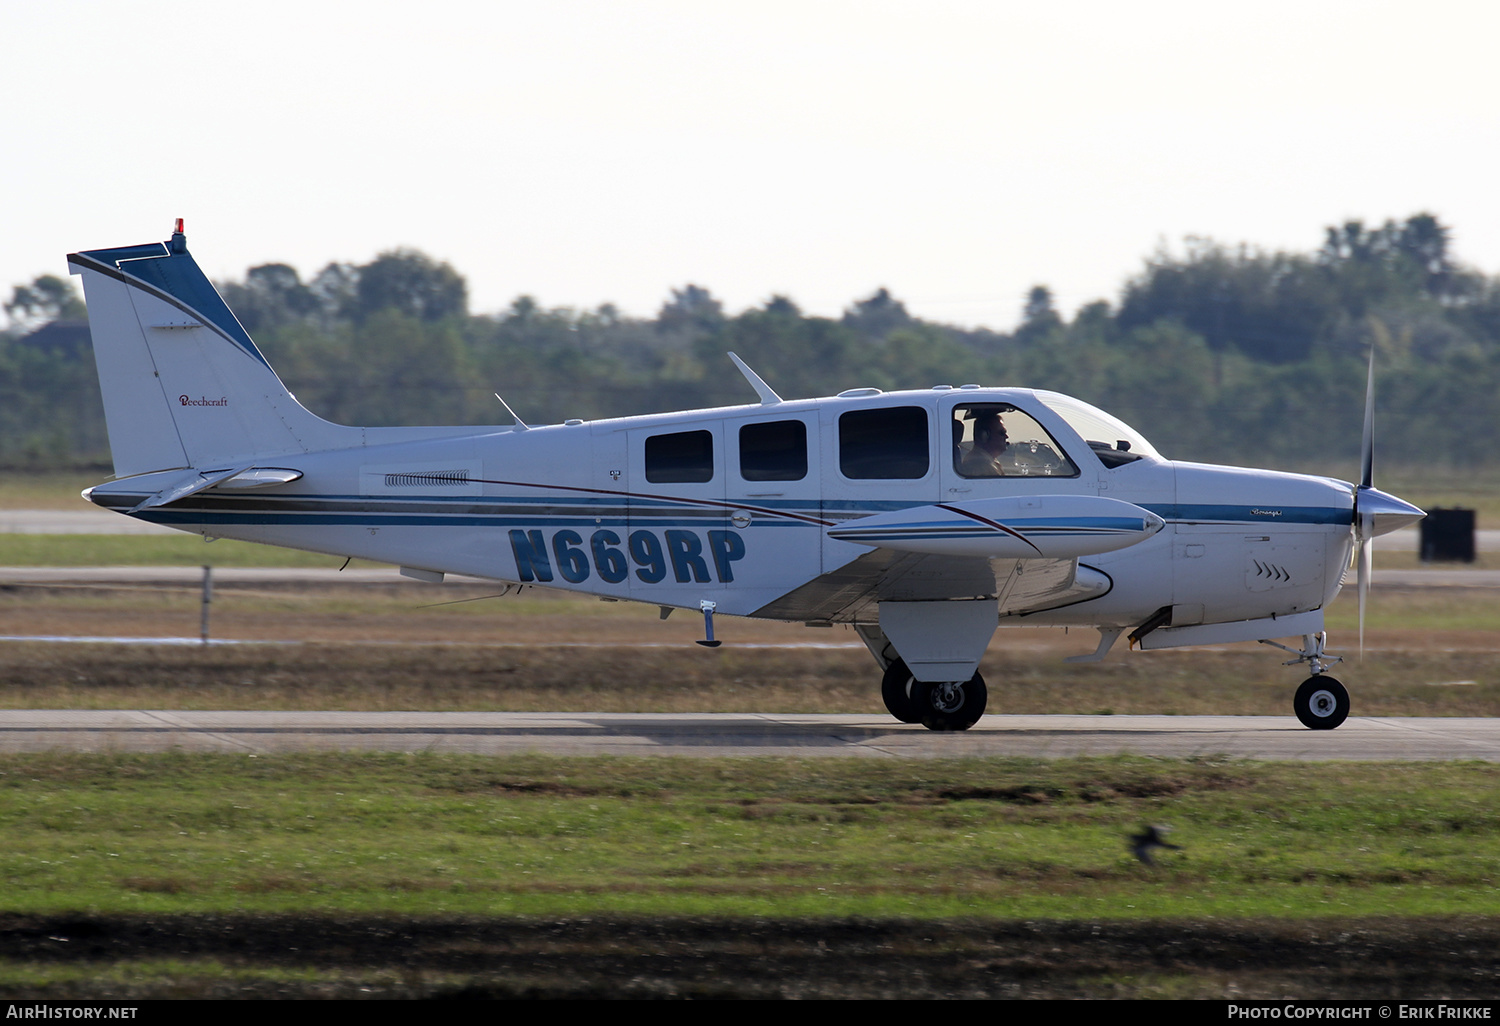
[(1366, 545), (1367, 443)]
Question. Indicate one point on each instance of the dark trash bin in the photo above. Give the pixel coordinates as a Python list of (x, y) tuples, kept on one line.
[(1448, 536)]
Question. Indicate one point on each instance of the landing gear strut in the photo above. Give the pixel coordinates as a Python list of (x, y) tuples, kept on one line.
[(1322, 702)]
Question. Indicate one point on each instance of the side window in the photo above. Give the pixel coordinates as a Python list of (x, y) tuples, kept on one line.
[(682, 457), (998, 440), (884, 444), (774, 451)]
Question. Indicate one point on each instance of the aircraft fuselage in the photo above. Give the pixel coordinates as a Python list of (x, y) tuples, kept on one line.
[(736, 506)]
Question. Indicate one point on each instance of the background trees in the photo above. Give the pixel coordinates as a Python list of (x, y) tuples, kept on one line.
[(1220, 353)]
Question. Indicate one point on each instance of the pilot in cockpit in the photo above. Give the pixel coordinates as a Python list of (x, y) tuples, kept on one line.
[(990, 444)]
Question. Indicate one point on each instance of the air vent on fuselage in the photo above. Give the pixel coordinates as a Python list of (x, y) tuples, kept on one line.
[(449, 478)]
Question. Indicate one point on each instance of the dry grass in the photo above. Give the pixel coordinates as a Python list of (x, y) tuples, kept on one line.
[(1430, 652)]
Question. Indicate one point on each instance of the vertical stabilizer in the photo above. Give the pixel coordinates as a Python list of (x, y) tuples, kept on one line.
[(183, 384)]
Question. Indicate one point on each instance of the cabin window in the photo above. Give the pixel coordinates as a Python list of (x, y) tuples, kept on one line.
[(680, 458), (884, 444), (774, 450), (998, 440)]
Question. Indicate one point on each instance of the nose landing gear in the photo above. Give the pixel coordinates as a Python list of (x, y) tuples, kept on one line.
[(1321, 702)]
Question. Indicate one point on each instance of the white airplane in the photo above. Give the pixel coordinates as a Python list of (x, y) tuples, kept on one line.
[(923, 519)]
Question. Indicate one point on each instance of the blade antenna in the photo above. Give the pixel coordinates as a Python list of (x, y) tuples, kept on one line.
[(768, 396), (520, 424)]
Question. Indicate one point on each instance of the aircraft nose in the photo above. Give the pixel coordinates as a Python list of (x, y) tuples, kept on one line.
[(1385, 513)]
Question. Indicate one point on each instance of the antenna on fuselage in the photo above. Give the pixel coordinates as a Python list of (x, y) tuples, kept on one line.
[(520, 424), (768, 396)]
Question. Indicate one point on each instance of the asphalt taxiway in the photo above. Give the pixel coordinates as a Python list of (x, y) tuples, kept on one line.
[(739, 734)]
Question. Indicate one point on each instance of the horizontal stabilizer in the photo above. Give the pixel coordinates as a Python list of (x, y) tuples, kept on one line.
[(149, 491), (1016, 527), (190, 485)]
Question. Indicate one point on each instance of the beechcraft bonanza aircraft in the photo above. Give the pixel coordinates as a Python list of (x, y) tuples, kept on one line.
[(923, 519)]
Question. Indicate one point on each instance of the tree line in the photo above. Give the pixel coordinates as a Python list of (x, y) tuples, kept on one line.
[(1218, 353)]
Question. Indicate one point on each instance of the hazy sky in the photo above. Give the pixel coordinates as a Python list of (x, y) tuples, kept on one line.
[(589, 152)]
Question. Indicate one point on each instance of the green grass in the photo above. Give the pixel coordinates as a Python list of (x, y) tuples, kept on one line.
[(153, 550), (23, 490), (431, 835)]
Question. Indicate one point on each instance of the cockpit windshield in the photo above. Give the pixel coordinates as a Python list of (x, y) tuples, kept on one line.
[(1112, 440)]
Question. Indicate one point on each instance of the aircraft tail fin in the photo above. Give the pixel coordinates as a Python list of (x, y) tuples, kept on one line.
[(183, 384)]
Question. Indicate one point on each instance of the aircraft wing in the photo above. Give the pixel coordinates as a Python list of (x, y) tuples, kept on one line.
[(853, 591), (1021, 550)]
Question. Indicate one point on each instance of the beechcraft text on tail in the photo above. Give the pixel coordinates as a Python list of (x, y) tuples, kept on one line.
[(924, 519)]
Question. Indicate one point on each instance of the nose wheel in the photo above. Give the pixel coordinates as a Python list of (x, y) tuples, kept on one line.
[(1321, 703)]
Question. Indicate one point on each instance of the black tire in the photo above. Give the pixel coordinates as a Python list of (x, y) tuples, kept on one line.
[(895, 690), (1321, 703), (950, 706)]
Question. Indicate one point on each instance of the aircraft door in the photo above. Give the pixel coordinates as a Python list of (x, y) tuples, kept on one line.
[(774, 490), (681, 547)]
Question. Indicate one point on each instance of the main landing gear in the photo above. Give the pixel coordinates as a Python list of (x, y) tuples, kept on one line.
[(1321, 702), (948, 705)]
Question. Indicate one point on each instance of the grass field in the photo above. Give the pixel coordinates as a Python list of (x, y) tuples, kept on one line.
[(761, 855), (1010, 838), (412, 646)]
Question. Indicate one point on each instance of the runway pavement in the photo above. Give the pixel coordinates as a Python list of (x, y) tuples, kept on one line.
[(733, 734)]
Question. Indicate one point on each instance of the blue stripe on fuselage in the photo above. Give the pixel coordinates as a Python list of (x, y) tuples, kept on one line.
[(513, 510), (1269, 513)]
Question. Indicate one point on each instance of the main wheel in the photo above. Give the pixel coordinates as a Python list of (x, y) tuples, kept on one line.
[(950, 705), (1321, 703), (895, 689)]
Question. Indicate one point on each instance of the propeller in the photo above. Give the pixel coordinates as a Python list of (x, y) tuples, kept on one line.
[(1364, 523), (1375, 512)]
